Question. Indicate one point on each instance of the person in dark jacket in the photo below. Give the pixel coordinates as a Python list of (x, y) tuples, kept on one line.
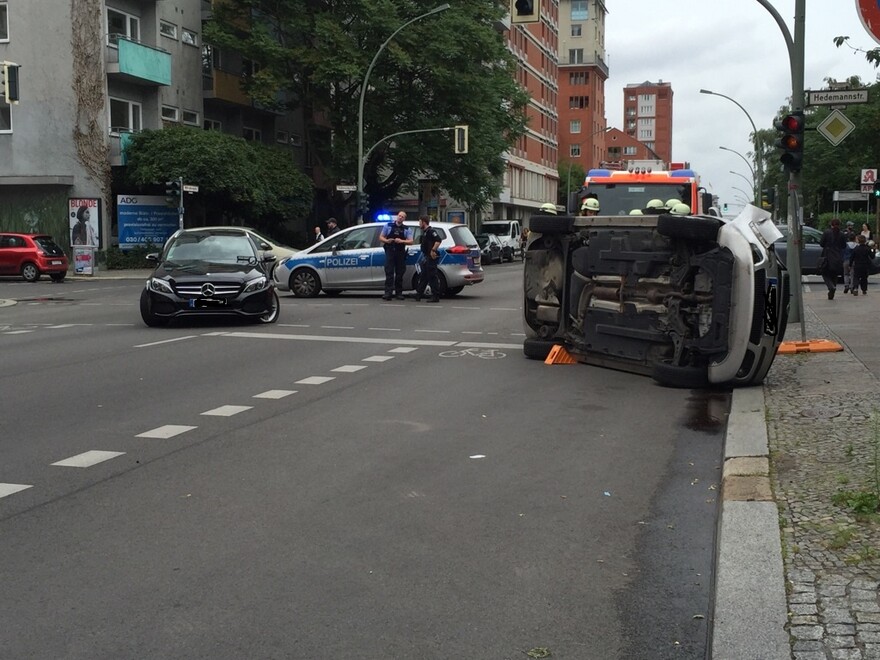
[(833, 243), (428, 261), (860, 263)]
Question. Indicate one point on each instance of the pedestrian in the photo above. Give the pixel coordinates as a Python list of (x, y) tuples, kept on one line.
[(318, 235), (395, 237), (851, 242), (860, 260), (332, 227), (866, 232), (832, 242), (428, 261)]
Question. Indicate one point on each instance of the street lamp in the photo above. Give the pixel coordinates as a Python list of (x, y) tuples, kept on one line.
[(748, 164), (744, 178), (360, 179), (740, 190), (759, 179)]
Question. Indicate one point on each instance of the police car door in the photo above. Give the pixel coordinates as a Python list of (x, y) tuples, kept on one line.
[(350, 264)]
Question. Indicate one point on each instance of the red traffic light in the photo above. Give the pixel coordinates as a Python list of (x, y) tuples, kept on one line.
[(791, 140), (791, 124)]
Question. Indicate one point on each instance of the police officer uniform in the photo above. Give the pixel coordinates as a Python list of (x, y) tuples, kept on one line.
[(429, 261), (395, 259)]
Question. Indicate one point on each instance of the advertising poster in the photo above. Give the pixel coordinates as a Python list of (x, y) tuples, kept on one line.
[(83, 260), (455, 216), (144, 220), (84, 216)]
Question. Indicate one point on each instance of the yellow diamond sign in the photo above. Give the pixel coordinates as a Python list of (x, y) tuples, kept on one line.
[(835, 127)]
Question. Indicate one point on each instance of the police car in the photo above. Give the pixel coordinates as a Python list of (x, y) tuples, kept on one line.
[(354, 259)]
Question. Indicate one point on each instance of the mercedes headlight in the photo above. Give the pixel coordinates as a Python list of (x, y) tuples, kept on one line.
[(161, 286), (257, 284)]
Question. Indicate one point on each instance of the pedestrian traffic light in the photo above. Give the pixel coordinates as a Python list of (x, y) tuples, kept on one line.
[(172, 193), (9, 75), (791, 140), (461, 139), (876, 190), (525, 11)]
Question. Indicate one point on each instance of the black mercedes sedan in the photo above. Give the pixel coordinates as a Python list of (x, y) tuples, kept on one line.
[(216, 271)]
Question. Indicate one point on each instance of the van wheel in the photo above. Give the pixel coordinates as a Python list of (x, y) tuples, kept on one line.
[(537, 349), (694, 229), (671, 375)]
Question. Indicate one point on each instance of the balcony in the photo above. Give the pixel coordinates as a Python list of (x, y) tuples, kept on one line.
[(138, 64), (226, 87), (595, 61), (118, 145)]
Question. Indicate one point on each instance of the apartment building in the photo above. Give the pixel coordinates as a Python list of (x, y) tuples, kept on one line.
[(94, 72), (647, 116), (582, 75), (531, 177)]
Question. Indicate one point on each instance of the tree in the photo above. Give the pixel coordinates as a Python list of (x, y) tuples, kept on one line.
[(238, 180), (569, 173), (447, 69)]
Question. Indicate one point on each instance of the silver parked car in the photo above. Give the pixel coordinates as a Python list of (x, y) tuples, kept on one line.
[(354, 259)]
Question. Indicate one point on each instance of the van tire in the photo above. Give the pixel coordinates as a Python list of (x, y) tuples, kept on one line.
[(551, 224), (537, 349), (693, 229)]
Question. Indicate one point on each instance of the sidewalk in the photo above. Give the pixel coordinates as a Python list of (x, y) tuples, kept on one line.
[(816, 412), (104, 274)]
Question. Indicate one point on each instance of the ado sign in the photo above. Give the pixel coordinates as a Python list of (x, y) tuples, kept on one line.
[(869, 13)]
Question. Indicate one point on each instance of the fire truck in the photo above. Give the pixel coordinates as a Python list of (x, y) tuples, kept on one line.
[(621, 191)]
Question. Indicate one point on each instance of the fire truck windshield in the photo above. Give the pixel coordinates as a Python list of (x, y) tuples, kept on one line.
[(621, 198)]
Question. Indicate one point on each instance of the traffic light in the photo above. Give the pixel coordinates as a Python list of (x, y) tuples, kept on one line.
[(525, 11), (768, 198), (364, 204), (172, 193), (876, 190), (9, 73), (791, 140), (461, 139)]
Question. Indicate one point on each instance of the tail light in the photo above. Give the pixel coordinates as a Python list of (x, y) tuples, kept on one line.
[(459, 249)]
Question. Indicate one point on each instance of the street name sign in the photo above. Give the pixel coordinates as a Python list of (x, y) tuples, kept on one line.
[(342, 188), (837, 96), (190, 188)]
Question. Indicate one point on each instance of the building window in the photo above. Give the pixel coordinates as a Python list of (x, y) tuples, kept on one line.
[(576, 29), (191, 117), (213, 125), (296, 140), (574, 150), (5, 117), (575, 55), (578, 78), (189, 37), (4, 22), (120, 24), (574, 126), (579, 10), (578, 102), (169, 113), (282, 137), (252, 134), (167, 29), (629, 151), (249, 68), (125, 116)]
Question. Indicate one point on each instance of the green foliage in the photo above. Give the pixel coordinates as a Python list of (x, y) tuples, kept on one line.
[(445, 69), (569, 173), (857, 501), (115, 259), (238, 180)]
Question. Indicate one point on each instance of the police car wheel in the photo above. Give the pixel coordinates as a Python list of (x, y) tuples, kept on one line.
[(304, 283)]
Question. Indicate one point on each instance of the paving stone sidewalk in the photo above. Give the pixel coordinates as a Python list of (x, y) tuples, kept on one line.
[(823, 414)]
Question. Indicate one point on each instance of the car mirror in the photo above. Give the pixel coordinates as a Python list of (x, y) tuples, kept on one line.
[(265, 246), (153, 256), (268, 258)]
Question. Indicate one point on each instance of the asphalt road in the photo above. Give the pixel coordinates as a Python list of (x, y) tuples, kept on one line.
[(360, 480)]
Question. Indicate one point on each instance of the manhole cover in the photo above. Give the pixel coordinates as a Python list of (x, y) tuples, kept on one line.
[(820, 412)]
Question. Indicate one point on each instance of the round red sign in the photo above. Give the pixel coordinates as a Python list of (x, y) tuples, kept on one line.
[(869, 13)]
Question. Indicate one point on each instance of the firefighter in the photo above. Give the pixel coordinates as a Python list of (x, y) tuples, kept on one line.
[(680, 209), (590, 206), (548, 208)]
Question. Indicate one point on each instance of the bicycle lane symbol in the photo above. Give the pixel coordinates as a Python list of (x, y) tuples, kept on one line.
[(482, 353)]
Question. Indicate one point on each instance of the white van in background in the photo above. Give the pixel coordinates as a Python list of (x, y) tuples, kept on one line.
[(508, 232)]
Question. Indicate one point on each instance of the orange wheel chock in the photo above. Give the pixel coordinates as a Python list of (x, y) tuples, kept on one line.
[(558, 355), (809, 346)]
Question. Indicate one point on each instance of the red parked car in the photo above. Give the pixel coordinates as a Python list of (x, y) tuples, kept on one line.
[(32, 255)]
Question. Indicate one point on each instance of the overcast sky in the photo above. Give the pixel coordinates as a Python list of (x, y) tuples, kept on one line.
[(735, 48)]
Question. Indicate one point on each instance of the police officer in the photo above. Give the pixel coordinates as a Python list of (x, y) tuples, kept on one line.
[(395, 237), (428, 261)]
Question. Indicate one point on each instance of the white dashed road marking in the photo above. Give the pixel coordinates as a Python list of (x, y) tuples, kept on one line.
[(338, 327), (164, 341), (17, 332), (440, 332), (410, 349), (385, 329), (274, 394), (347, 340), (378, 358), (349, 368), (9, 489), (167, 431), (226, 411), (88, 458), (315, 380)]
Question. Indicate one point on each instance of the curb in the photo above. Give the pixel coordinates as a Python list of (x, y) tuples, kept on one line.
[(751, 607)]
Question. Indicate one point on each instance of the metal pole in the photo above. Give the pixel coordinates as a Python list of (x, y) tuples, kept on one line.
[(746, 160), (746, 179), (180, 203), (759, 178), (360, 177)]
